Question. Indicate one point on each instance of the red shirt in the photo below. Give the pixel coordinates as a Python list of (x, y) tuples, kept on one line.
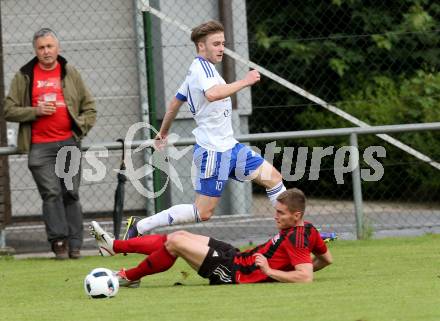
[(47, 87), (288, 248)]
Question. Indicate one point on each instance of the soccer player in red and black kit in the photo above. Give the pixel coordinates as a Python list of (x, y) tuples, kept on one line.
[(286, 257)]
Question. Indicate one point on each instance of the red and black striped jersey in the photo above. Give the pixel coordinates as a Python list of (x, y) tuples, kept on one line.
[(288, 248)]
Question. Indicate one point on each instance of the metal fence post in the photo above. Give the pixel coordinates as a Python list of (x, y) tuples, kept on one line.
[(357, 191), (143, 95), (5, 191), (2, 238)]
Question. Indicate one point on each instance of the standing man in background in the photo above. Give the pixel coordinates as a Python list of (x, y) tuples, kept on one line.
[(54, 109)]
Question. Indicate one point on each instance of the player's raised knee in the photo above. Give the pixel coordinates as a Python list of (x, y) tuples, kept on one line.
[(174, 240), (175, 236)]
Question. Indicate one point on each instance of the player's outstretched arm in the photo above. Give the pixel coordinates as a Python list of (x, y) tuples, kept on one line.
[(322, 260), (170, 115), (218, 92)]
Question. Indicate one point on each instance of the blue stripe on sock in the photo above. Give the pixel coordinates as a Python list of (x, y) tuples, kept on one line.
[(196, 214), (275, 190)]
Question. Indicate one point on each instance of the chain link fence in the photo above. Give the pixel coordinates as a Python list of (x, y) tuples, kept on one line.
[(378, 62)]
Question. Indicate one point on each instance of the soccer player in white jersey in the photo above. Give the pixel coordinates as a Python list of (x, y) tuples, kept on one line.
[(217, 154)]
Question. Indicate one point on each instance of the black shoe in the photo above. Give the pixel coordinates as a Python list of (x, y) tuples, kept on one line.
[(59, 247), (75, 254), (131, 230)]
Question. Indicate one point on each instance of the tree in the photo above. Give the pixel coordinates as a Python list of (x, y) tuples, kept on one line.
[(378, 60)]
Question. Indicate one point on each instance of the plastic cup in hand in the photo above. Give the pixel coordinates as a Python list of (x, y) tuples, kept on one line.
[(50, 98)]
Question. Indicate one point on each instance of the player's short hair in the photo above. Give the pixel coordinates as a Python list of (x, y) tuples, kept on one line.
[(294, 199), (43, 32), (200, 32)]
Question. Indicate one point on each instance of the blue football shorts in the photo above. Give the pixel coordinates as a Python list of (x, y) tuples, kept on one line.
[(215, 168)]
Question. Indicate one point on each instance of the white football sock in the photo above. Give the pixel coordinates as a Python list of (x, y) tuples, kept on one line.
[(177, 214), (275, 191)]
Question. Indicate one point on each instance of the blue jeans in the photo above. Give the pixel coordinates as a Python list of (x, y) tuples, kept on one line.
[(62, 213)]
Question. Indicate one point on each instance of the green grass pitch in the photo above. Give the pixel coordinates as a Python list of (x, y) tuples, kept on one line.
[(387, 279)]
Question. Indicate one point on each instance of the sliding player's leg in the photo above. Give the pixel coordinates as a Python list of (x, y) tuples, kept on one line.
[(193, 248)]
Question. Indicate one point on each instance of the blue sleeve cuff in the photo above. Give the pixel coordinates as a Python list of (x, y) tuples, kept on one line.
[(181, 97)]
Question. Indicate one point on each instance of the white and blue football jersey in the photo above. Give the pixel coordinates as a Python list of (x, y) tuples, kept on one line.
[(213, 119)]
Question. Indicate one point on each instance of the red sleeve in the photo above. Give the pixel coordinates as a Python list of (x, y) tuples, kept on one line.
[(298, 255), (318, 246)]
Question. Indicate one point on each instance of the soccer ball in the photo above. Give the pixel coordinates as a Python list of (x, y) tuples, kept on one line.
[(101, 283)]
